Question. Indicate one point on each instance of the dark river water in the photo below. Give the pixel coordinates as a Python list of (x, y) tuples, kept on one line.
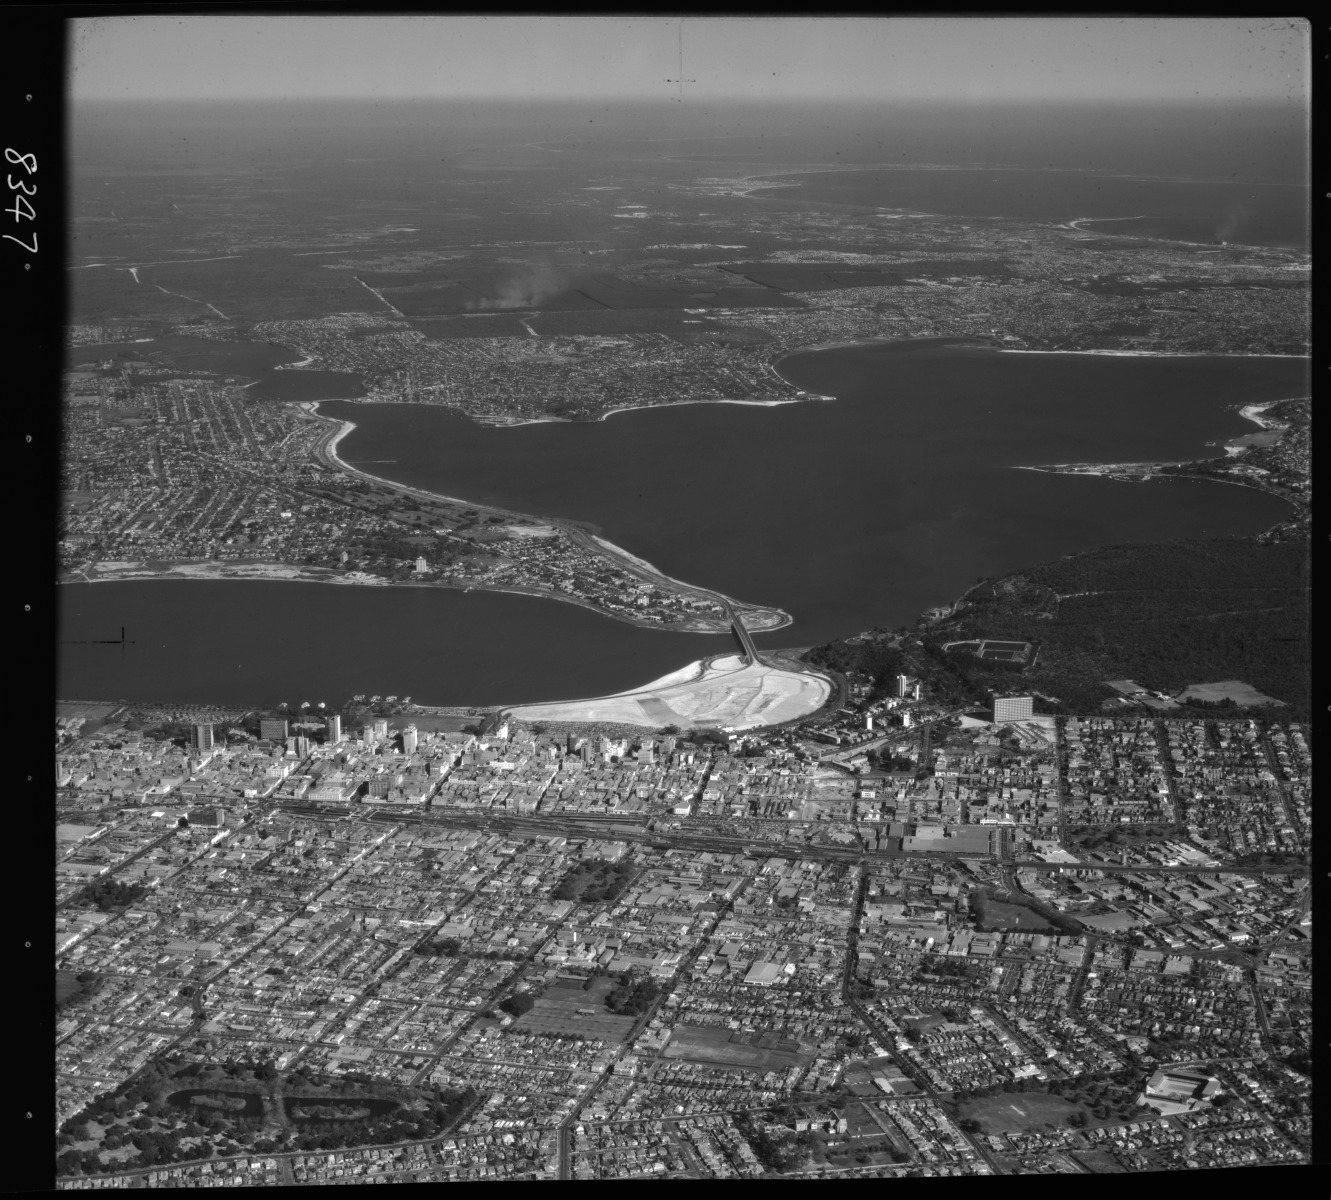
[(847, 514), (259, 362)]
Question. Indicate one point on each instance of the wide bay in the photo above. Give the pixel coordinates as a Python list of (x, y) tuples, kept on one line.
[(1251, 213), (851, 513)]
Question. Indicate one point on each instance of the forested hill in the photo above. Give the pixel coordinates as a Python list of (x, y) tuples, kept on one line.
[(1166, 615)]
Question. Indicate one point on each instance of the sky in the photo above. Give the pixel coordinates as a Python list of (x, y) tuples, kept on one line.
[(760, 58)]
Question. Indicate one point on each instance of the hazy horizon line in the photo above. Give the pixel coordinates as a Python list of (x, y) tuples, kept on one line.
[(565, 100)]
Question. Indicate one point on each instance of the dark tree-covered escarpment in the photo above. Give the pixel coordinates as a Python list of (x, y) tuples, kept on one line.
[(1166, 615)]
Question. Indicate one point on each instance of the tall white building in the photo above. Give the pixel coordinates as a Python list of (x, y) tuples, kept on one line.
[(409, 737), (334, 726)]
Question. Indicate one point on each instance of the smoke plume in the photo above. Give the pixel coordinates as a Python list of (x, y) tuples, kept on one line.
[(1231, 224), (528, 288)]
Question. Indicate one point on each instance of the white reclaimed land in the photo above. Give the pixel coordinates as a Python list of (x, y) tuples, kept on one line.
[(716, 693)]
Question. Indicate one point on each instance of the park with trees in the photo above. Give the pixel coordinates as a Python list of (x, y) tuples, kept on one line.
[(176, 1110)]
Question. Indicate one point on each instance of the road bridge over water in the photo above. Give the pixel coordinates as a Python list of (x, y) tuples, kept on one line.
[(742, 636)]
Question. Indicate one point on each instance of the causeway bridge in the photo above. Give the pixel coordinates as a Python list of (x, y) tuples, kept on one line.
[(746, 646)]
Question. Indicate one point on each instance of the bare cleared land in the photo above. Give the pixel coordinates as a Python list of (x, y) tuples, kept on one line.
[(712, 693)]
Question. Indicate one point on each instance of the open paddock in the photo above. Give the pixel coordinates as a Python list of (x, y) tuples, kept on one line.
[(569, 1010), (997, 915), (1016, 1112), (1243, 694), (767, 1051), (471, 325), (605, 322), (817, 277)]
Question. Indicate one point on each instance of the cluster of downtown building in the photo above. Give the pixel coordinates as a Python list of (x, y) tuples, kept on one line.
[(751, 946)]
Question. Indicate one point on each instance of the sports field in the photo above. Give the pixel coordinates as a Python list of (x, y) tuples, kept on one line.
[(996, 650), (1010, 1112), (760, 1051), (567, 1009)]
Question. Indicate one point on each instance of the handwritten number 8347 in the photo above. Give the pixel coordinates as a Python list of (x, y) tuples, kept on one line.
[(22, 210)]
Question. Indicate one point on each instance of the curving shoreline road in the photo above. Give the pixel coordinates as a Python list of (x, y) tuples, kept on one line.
[(756, 618)]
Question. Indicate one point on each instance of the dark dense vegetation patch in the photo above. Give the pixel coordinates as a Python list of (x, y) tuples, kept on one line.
[(70, 988), (779, 1151), (109, 894), (630, 997), (1112, 837), (594, 881), (1167, 615), (516, 1005), (172, 1125), (944, 968), (1101, 1096), (873, 657)]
